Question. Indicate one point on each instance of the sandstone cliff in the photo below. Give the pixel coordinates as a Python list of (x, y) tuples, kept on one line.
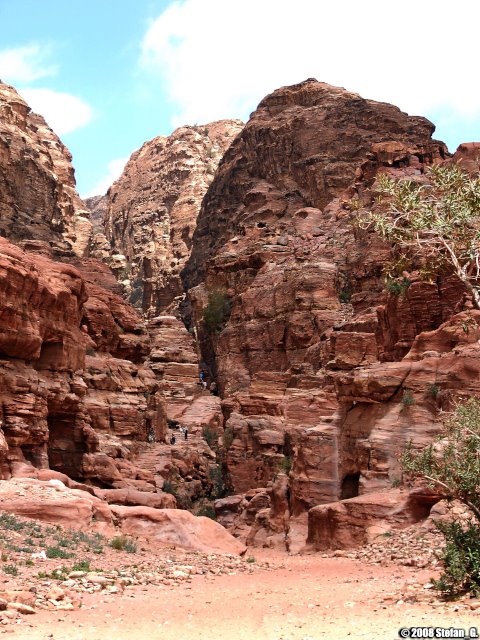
[(39, 201), (325, 374), (70, 399), (75, 393), (151, 210)]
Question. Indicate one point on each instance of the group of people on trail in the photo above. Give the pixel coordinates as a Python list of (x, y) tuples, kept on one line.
[(203, 381), (184, 430)]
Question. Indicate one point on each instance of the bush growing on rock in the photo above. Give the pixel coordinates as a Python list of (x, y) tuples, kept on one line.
[(217, 311), (433, 226), (451, 465)]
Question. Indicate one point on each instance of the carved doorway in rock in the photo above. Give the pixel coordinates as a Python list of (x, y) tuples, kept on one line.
[(350, 486), (66, 444)]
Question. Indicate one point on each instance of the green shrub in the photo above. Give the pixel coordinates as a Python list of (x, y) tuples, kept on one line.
[(285, 464), (345, 295), (433, 390), (123, 543), (7, 521), (452, 466), (461, 559), (397, 287), (207, 511), (219, 489), (168, 487), (81, 565), (11, 569), (56, 552), (216, 311), (210, 436), (408, 399), (228, 437)]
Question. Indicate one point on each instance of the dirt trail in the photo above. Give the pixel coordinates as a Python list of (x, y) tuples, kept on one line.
[(301, 598)]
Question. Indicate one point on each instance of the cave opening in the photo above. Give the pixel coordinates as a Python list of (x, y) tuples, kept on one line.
[(350, 486), (66, 445)]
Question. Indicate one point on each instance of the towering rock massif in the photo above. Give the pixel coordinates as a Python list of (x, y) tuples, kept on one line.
[(152, 209), (75, 393), (325, 374), (39, 201)]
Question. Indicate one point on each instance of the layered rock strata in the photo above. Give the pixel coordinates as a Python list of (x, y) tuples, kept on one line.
[(70, 399), (324, 373), (39, 201), (152, 209)]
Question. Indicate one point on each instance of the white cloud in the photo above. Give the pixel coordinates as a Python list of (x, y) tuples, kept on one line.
[(218, 59), (114, 171), (63, 112), (26, 64)]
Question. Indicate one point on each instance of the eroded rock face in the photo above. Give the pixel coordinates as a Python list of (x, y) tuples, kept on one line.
[(300, 149), (311, 323), (70, 398), (39, 201), (152, 209)]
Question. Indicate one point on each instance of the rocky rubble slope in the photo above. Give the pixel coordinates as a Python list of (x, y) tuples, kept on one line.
[(150, 211)]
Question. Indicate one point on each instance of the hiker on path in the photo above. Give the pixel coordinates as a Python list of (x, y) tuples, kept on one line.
[(185, 431), (173, 439)]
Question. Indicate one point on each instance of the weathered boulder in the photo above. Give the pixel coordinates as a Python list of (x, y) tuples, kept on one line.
[(352, 523), (174, 526)]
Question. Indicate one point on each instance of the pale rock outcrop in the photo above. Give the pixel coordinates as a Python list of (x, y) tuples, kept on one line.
[(177, 527)]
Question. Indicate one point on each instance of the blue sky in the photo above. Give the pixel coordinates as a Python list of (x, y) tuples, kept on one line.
[(109, 74)]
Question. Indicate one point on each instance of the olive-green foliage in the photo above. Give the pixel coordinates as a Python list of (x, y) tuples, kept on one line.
[(207, 511), (285, 464), (461, 559), (210, 436), (123, 543), (11, 569), (216, 311), (433, 390), (228, 437), (433, 225), (57, 552), (216, 477), (408, 399), (451, 464), (397, 287)]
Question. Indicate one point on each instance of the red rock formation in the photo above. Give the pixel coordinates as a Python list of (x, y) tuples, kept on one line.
[(37, 184), (316, 356), (59, 407), (76, 509), (152, 210)]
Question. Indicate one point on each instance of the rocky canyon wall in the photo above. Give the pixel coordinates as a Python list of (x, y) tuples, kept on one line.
[(324, 373), (39, 201), (151, 210), (75, 392)]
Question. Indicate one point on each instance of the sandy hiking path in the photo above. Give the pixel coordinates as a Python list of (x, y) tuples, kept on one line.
[(299, 598)]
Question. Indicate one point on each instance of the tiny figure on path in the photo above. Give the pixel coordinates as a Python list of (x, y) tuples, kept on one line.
[(173, 439), (185, 432)]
